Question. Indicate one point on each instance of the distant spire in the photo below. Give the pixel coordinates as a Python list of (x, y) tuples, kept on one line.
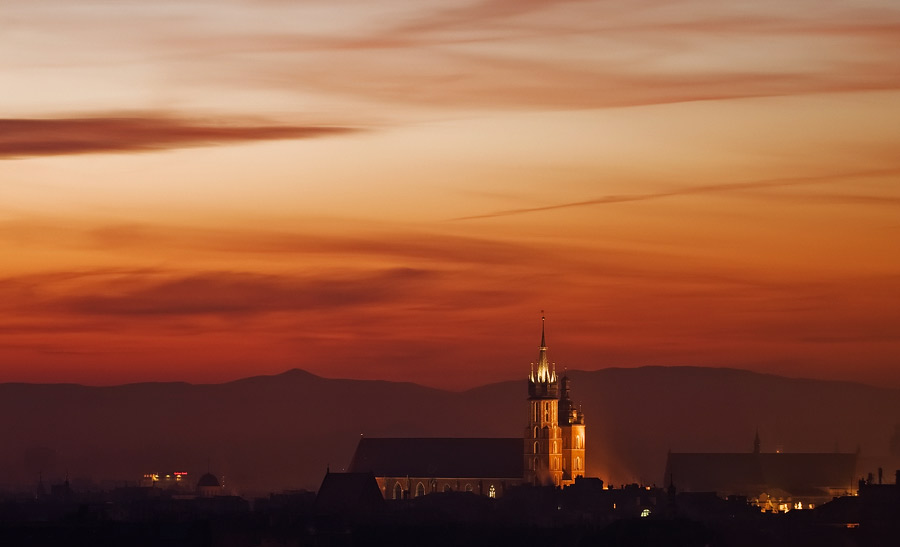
[(543, 339), (543, 366)]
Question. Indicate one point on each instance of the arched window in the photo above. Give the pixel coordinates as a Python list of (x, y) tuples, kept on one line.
[(492, 492), (554, 447), (398, 491), (468, 487), (546, 412), (577, 441), (446, 488), (577, 463), (420, 490), (536, 432), (434, 486), (537, 447)]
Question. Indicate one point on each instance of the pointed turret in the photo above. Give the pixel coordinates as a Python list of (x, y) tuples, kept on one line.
[(568, 412)]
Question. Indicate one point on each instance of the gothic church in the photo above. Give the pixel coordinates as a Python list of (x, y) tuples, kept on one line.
[(554, 438), (554, 449)]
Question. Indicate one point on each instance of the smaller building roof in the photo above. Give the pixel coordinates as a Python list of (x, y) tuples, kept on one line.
[(798, 474), (208, 479), (440, 457)]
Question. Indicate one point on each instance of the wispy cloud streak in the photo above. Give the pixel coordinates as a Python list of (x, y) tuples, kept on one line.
[(691, 190)]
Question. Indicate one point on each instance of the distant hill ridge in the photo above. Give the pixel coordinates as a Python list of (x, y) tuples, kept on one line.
[(268, 433)]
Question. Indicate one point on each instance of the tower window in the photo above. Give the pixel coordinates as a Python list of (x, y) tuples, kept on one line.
[(577, 463), (577, 441), (537, 447), (492, 492), (420, 490)]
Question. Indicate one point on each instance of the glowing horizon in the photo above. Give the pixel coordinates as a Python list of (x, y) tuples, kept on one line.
[(206, 191)]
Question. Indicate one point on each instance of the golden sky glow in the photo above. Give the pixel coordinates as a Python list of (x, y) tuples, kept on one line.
[(202, 190)]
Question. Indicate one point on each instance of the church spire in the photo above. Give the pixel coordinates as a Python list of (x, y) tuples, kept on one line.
[(542, 373), (543, 338)]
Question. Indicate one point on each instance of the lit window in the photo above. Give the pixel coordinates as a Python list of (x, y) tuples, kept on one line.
[(537, 448), (645, 513), (577, 463), (492, 492)]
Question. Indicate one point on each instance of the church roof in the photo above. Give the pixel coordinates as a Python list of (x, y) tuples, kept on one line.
[(352, 493), (750, 474), (440, 457)]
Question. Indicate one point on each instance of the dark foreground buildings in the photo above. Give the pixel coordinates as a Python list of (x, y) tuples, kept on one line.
[(349, 510)]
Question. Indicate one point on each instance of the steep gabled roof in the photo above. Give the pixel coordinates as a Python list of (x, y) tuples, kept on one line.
[(440, 457), (349, 493)]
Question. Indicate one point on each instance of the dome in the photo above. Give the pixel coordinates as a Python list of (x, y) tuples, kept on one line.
[(208, 480)]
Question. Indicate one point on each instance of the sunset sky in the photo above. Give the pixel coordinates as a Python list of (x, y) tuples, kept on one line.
[(204, 190)]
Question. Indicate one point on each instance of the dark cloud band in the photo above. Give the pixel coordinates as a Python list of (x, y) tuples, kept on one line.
[(61, 136)]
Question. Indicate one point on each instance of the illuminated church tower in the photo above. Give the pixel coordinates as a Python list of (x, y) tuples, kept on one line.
[(571, 425), (543, 439)]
